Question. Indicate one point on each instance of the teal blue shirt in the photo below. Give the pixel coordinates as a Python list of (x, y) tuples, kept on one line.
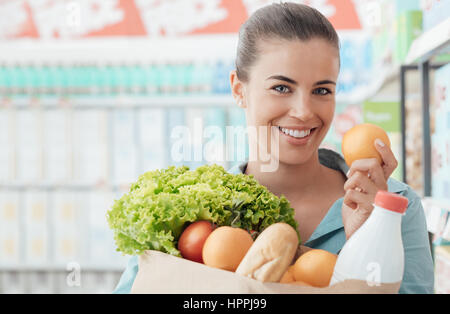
[(418, 276)]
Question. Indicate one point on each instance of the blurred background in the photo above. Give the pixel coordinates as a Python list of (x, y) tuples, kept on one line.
[(91, 92)]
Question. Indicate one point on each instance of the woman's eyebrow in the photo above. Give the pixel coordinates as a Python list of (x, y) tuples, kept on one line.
[(282, 78), (289, 80), (324, 82)]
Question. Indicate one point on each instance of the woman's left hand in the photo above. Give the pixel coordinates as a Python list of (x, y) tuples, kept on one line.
[(365, 178)]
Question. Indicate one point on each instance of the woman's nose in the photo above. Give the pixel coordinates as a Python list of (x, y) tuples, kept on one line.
[(301, 108)]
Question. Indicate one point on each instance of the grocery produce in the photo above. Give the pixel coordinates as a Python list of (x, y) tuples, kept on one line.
[(162, 203), (315, 267), (225, 247), (193, 238), (301, 283), (288, 276), (359, 142), (271, 254)]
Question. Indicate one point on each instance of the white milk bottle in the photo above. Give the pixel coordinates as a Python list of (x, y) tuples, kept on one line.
[(374, 253)]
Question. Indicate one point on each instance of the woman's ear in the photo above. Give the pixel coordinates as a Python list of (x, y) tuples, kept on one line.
[(237, 88)]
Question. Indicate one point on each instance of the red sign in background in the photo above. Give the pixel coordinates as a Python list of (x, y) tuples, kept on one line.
[(100, 18)]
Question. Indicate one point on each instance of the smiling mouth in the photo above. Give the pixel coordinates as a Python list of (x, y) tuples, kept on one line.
[(296, 133)]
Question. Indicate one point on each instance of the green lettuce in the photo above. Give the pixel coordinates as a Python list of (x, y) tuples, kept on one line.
[(153, 214)]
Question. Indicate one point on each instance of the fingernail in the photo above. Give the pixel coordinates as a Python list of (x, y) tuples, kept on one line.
[(348, 172), (379, 142)]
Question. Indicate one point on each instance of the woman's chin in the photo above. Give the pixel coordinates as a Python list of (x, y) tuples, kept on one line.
[(295, 159)]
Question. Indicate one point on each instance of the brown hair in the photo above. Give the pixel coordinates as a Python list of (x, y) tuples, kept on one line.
[(280, 20)]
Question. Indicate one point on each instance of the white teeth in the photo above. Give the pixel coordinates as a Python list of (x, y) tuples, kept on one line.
[(295, 133)]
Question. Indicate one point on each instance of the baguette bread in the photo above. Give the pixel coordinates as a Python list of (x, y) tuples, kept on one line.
[(271, 254)]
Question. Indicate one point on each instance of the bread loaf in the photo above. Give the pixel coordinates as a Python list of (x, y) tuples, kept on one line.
[(271, 254)]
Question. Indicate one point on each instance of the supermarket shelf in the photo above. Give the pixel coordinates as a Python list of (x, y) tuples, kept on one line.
[(386, 77), (425, 46), (387, 85), (109, 102), (66, 186), (429, 42), (436, 213), (123, 50), (442, 204), (61, 268)]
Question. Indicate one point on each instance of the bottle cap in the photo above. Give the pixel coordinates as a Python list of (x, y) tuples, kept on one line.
[(391, 201)]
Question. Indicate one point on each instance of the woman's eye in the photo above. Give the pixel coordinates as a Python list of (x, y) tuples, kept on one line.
[(322, 91), (282, 89)]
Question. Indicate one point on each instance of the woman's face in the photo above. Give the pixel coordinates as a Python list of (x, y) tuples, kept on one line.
[(291, 91)]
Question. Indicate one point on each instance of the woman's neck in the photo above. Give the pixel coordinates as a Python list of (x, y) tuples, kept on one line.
[(298, 180)]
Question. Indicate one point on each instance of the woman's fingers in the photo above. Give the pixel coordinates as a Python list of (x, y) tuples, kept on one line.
[(365, 178), (359, 181), (371, 168), (371, 165), (358, 200), (389, 160)]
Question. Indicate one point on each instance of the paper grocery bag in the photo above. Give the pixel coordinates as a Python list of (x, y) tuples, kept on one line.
[(166, 274)]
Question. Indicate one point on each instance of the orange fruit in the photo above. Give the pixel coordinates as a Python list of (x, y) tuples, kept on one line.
[(300, 283), (315, 267), (288, 276), (225, 247), (359, 142)]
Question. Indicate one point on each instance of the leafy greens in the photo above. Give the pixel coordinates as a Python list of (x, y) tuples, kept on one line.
[(153, 214)]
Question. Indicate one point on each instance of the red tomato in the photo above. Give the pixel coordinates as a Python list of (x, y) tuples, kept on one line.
[(193, 238)]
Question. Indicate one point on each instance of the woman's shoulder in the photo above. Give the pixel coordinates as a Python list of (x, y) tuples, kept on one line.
[(401, 188), (415, 208)]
